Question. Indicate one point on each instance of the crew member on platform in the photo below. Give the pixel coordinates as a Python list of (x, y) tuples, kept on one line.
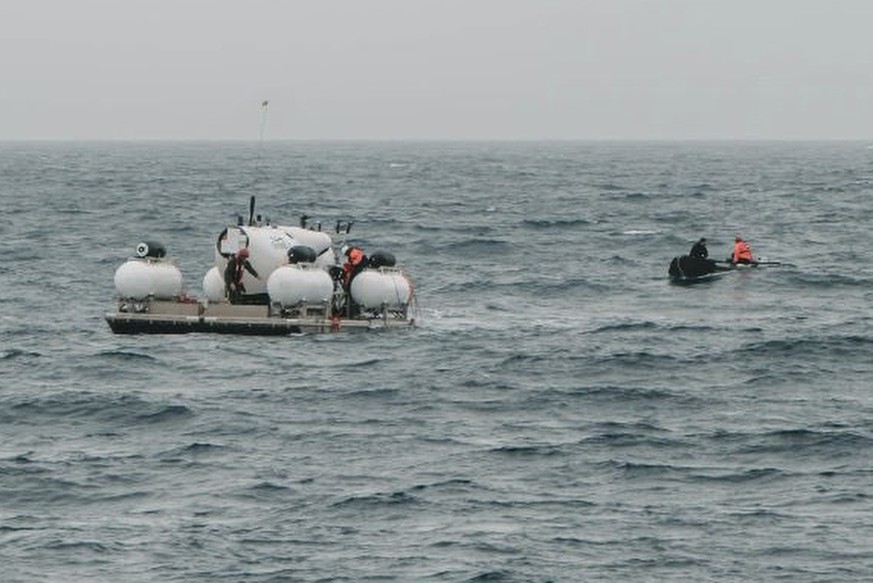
[(699, 249), (355, 263), (233, 274), (742, 251)]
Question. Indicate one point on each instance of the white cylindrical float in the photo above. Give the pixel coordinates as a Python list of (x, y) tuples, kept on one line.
[(213, 285), (140, 278), (291, 285), (383, 287)]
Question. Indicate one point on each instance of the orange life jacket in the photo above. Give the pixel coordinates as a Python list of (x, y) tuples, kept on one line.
[(356, 257), (742, 252)]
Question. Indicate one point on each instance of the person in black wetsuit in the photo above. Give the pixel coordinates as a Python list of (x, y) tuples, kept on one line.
[(233, 274), (695, 264), (699, 249)]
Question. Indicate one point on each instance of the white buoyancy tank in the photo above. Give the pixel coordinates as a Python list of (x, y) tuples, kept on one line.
[(290, 285), (268, 250), (318, 240), (213, 285), (375, 288), (140, 278)]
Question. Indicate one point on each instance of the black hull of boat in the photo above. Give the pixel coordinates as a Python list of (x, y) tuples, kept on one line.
[(689, 270), (680, 280)]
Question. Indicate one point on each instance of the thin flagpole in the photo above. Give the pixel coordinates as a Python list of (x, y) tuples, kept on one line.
[(259, 171), (264, 105)]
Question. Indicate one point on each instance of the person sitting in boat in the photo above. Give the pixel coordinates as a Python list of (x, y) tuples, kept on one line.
[(699, 249), (356, 261), (742, 252), (233, 274)]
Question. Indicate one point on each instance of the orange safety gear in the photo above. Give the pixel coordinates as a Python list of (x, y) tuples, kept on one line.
[(355, 255), (742, 252), (353, 265)]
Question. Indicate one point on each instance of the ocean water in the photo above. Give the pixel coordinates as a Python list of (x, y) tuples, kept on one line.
[(561, 413)]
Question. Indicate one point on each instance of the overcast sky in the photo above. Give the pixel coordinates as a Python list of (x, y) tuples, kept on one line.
[(437, 69)]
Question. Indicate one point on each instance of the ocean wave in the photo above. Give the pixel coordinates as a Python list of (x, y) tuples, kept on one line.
[(828, 346), (571, 283), (530, 450), (124, 409), (429, 228), (78, 546), (20, 458), (807, 441), (532, 284), (829, 281), (630, 394), (740, 476), (557, 224), (376, 393), (701, 187), (650, 325), (645, 470), (632, 434), (74, 211), (201, 448), (162, 414), (267, 489), (758, 515), (607, 186), (495, 576), (625, 327), (475, 245), (126, 355), (362, 364), (376, 501), (14, 353), (524, 358), (633, 440), (42, 490), (454, 485), (639, 358)]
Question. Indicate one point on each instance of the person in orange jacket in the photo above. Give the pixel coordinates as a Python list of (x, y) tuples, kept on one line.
[(355, 263), (742, 252)]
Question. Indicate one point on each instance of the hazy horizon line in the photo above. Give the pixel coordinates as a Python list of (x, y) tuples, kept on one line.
[(437, 140)]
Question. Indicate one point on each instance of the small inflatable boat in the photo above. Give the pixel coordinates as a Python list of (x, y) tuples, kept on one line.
[(687, 269), (289, 279)]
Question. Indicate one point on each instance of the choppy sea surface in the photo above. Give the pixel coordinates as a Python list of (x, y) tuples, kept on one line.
[(561, 413)]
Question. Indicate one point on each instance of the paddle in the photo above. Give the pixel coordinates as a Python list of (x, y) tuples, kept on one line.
[(753, 263), (730, 262)]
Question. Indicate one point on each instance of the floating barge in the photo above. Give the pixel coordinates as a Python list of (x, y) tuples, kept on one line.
[(267, 280), (181, 317)]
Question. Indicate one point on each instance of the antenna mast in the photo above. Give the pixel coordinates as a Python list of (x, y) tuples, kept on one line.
[(259, 171), (264, 104)]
